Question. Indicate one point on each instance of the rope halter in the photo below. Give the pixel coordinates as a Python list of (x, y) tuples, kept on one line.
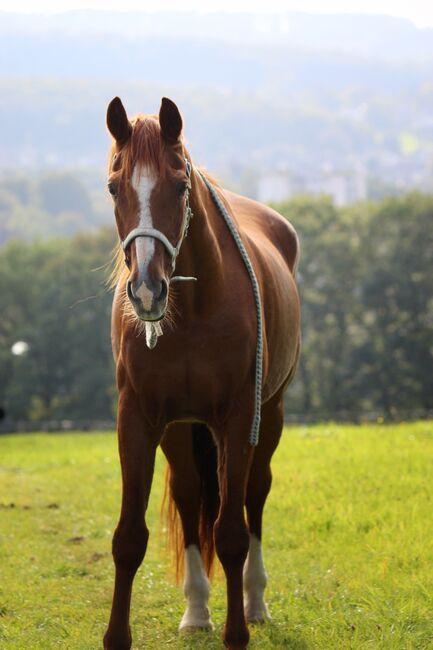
[(173, 251)]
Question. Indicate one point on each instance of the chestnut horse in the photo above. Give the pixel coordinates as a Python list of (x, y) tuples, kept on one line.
[(194, 393)]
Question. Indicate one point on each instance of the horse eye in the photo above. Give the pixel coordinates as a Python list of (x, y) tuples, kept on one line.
[(182, 187), (113, 189)]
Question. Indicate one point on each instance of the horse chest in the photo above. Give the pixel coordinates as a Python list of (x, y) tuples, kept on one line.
[(180, 379)]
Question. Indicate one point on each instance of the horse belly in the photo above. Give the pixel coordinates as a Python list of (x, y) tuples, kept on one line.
[(281, 335)]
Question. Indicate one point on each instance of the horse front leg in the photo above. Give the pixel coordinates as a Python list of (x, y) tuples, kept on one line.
[(231, 532), (137, 448)]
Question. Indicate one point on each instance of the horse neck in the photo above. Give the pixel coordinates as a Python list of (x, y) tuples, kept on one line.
[(200, 255)]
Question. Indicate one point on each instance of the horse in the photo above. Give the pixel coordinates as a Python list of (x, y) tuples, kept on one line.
[(185, 349)]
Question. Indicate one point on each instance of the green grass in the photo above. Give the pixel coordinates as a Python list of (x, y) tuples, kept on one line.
[(348, 544)]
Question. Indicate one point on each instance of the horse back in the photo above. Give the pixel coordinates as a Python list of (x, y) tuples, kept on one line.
[(263, 225)]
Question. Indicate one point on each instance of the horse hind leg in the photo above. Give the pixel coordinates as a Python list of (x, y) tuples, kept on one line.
[(196, 588), (255, 581), (231, 532), (259, 485), (187, 491)]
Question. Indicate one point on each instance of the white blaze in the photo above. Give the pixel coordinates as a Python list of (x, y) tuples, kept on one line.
[(196, 589), (255, 580), (143, 182)]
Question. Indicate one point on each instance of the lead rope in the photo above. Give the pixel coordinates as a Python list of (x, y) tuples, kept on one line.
[(154, 330), (254, 433)]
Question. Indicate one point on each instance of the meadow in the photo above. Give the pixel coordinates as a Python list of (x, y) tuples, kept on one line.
[(348, 544)]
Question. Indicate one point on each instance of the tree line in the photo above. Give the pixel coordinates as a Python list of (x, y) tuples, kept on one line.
[(365, 280), (367, 303), (56, 203)]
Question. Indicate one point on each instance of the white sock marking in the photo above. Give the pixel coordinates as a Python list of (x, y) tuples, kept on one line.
[(196, 588), (143, 181), (255, 579)]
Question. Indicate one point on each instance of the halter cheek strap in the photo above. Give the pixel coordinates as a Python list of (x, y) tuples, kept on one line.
[(173, 251)]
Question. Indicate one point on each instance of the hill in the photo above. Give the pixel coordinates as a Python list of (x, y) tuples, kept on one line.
[(317, 98)]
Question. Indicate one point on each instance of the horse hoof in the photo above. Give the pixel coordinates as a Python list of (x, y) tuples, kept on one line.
[(196, 620), (257, 615), (237, 641), (192, 629), (117, 644), (256, 620)]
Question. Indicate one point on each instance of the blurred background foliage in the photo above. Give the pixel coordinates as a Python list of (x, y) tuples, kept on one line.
[(54, 298), (327, 116), (367, 302)]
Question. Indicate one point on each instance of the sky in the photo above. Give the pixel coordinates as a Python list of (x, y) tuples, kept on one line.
[(418, 11)]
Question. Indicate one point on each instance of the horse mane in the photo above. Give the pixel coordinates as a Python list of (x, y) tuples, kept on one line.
[(118, 268)]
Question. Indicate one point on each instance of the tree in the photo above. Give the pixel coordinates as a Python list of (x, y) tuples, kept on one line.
[(55, 301), (367, 306)]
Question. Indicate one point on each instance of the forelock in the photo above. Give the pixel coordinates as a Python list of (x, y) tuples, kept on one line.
[(145, 148)]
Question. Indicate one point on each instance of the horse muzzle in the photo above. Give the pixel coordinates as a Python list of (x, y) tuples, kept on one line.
[(149, 302)]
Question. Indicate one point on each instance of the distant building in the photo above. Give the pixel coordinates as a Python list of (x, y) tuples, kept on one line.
[(342, 187), (275, 187)]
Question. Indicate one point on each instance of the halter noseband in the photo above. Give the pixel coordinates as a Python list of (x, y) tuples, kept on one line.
[(173, 251)]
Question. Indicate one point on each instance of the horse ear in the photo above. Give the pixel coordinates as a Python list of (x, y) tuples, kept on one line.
[(117, 120), (170, 121)]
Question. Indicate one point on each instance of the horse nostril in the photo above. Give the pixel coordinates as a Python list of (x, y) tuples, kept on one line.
[(164, 290), (130, 292)]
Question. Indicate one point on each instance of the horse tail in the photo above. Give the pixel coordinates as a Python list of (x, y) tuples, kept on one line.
[(173, 526), (206, 460)]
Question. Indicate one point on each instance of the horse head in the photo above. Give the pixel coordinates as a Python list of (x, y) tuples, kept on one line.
[(149, 181)]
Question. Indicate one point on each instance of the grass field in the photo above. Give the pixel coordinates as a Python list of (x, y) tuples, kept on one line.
[(348, 544)]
